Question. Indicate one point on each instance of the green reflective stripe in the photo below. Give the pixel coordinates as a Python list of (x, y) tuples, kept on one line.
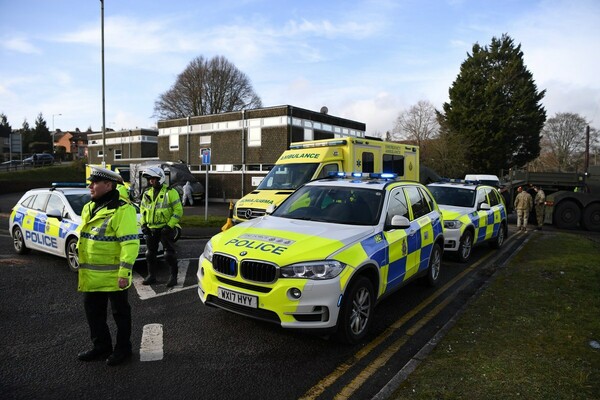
[(99, 267), (126, 265)]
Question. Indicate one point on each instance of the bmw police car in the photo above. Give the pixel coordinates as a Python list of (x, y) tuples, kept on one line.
[(47, 220), (472, 213), (326, 255)]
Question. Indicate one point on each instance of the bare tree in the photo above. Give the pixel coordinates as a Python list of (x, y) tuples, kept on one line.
[(418, 123), (207, 87), (564, 139)]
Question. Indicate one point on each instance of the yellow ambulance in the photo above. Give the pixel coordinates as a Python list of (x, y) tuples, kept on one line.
[(306, 161)]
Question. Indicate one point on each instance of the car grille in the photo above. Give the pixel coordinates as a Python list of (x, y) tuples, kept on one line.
[(258, 271), (254, 271), (249, 213), (224, 264)]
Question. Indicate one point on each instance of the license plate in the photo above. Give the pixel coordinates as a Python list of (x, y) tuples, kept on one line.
[(238, 298)]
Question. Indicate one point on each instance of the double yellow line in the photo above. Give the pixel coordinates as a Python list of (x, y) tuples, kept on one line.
[(387, 353)]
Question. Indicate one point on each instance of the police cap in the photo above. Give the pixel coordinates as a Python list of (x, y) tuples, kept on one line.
[(103, 174)]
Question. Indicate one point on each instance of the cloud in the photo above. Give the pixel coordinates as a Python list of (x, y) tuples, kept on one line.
[(20, 45)]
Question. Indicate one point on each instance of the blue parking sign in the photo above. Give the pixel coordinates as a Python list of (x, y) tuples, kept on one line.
[(205, 154)]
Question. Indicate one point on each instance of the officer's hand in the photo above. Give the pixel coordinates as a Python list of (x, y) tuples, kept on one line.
[(168, 231), (145, 230), (123, 282)]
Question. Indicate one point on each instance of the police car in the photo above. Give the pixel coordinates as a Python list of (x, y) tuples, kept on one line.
[(47, 220), (326, 255), (473, 214)]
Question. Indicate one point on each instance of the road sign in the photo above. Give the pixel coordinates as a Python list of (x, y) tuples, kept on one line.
[(205, 154)]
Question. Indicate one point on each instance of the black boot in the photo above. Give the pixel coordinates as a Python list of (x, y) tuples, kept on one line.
[(173, 279), (149, 280)]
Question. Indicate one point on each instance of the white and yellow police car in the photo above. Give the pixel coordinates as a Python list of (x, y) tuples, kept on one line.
[(473, 214), (326, 255), (47, 219)]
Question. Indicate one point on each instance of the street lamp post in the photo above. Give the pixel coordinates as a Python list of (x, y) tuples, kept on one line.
[(53, 130)]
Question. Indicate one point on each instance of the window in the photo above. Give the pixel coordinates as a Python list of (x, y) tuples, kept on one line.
[(394, 164), (428, 199), (55, 203), (481, 198), (327, 169), (100, 153), (397, 205), (205, 139), (118, 154), (173, 142), (308, 134), (40, 201), (368, 162), (493, 197), (254, 137), (417, 202)]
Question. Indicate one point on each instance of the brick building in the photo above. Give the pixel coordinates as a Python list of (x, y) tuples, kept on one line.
[(123, 147), (244, 145)]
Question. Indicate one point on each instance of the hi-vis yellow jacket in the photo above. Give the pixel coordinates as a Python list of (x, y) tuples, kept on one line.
[(164, 209), (108, 245)]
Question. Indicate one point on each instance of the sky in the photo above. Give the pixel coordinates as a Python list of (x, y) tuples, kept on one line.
[(364, 60)]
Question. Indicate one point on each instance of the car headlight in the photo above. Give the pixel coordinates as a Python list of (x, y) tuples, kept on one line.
[(313, 270), (208, 251), (454, 224)]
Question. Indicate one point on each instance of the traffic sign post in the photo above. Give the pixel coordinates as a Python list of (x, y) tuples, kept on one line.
[(205, 155)]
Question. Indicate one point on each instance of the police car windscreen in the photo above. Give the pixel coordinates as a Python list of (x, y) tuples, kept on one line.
[(339, 205), (77, 201), (453, 196)]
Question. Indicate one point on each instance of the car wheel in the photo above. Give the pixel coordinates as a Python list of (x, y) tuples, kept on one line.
[(72, 255), (435, 263), (499, 240), (466, 244), (357, 311), (19, 242)]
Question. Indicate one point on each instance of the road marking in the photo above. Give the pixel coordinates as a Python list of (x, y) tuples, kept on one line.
[(329, 380), (151, 348), (146, 292)]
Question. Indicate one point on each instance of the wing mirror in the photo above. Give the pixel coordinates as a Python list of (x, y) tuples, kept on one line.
[(399, 222), (484, 206), (270, 209)]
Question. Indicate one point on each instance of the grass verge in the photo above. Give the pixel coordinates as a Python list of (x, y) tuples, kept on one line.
[(199, 221), (528, 335)]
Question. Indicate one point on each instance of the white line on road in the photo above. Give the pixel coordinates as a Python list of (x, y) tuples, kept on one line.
[(151, 348), (146, 292)]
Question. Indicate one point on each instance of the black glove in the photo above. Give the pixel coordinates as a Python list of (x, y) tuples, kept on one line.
[(167, 231), (146, 231)]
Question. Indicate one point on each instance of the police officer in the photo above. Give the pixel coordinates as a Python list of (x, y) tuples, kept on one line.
[(161, 211), (108, 246)]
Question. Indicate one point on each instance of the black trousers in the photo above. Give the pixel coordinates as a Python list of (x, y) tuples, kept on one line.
[(165, 237), (96, 304)]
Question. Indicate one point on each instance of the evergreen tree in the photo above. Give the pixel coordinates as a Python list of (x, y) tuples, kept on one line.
[(26, 135), (495, 108), (5, 128)]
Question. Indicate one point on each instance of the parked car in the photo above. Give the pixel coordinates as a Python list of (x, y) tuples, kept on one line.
[(39, 159), (327, 255), (47, 220), (473, 214)]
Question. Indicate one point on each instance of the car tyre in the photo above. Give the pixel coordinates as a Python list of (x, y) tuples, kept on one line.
[(19, 241), (465, 247), (72, 255), (356, 313), (435, 263), (498, 241)]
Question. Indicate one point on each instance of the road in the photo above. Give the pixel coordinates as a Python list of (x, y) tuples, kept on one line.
[(203, 352)]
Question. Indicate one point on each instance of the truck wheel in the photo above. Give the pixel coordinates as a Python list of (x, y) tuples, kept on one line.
[(591, 217), (567, 215), (357, 311)]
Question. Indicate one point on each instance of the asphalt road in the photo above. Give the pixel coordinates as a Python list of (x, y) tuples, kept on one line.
[(206, 352)]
